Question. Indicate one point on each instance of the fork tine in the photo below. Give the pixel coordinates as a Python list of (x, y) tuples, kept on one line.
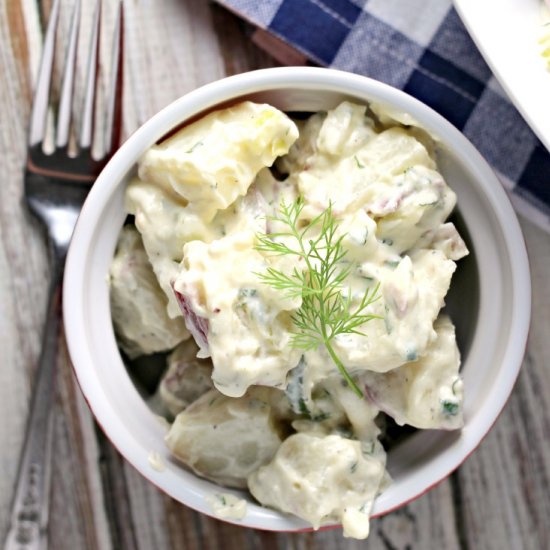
[(114, 107), (65, 103), (37, 127), (86, 132)]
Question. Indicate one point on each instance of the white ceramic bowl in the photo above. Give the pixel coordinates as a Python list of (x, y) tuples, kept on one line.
[(489, 300)]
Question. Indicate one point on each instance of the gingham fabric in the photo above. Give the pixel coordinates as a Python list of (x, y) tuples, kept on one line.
[(421, 47)]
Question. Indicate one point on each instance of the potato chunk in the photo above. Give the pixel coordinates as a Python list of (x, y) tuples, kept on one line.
[(225, 439), (138, 304), (214, 160), (321, 479), (426, 393), (186, 379)]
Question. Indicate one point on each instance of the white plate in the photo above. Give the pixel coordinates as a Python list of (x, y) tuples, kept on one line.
[(507, 32)]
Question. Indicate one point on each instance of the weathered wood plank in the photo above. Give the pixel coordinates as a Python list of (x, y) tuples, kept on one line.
[(21, 255), (171, 49), (505, 484), (76, 483), (78, 517), (238, 52)]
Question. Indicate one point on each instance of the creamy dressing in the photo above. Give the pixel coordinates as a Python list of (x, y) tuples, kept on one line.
[(248, 324), (226, 505), (156, 462), (255, 411)]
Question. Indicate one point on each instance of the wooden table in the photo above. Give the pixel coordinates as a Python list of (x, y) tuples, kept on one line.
[(500, 498)]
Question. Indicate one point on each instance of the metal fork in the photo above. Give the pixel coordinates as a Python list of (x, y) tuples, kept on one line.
[(56, 185)]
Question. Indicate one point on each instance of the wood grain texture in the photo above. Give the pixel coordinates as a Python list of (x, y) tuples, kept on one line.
[(506, 482), (499, 499), (22, 258)]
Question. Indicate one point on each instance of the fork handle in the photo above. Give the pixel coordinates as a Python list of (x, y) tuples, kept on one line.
[(31, 502)]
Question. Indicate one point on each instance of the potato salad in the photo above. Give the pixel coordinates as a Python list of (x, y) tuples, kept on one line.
[(293, 270)]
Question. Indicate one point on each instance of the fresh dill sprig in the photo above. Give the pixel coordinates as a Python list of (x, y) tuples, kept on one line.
[(326, 309)]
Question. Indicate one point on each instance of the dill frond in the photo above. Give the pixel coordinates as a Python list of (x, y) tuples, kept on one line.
[(327, 309)]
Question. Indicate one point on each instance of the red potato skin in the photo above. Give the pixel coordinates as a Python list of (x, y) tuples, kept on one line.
[(196, 325)]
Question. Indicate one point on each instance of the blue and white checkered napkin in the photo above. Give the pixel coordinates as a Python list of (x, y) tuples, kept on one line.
[(422, 47)]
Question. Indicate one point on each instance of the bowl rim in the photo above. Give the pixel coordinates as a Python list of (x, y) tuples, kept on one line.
[(205, 97)]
